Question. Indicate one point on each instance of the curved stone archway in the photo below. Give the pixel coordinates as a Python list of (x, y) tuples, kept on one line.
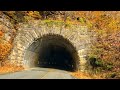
[(54, 51), (39, 38)]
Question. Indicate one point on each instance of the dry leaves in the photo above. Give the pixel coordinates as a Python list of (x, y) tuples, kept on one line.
[(7, 67), (4, 50)]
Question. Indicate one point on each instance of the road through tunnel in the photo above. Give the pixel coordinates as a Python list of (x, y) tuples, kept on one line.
[(52, 51)]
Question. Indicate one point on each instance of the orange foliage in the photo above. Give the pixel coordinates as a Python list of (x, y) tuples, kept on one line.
[(4, 50), (34, 14), (83, 75), (106, 26), (7, 67), (102, 19), (1, 34)]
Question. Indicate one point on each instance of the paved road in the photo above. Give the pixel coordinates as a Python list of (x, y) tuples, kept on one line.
[(38, 73)]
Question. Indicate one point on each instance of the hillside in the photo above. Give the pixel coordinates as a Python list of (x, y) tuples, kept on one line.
[(104, 56)]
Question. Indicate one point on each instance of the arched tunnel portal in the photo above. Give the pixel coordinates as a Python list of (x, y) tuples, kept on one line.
[(52, 51)]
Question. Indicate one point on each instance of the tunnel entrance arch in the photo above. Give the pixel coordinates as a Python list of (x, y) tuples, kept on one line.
[(67, 41), (52, 51)]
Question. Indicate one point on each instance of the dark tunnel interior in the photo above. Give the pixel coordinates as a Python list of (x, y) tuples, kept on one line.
[(54, 51), (54, 56)]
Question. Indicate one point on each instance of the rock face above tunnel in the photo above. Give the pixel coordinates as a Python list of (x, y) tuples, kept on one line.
[(29, 33)]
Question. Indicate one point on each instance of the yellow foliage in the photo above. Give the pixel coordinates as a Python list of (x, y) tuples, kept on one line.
[(33, 14)]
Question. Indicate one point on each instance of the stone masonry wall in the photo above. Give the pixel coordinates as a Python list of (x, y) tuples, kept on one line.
[(29, 32)]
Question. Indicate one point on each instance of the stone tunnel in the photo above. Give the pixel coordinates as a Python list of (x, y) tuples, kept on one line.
[(52, 51), (51, 46)]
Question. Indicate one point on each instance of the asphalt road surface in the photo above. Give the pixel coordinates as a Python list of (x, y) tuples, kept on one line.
[(38, 73)]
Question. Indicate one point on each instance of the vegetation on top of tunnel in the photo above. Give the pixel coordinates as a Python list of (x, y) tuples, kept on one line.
[(57, 23)]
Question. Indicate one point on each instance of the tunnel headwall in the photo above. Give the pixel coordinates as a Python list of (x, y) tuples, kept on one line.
[(32, 36)]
